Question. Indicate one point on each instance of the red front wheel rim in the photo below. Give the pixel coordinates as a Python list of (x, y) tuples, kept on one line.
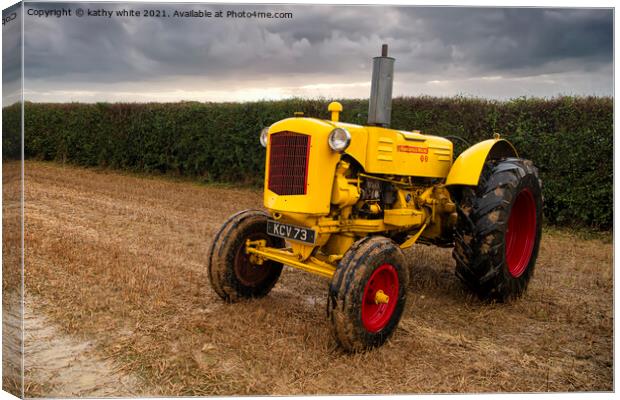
[(521, 233), (380, 298)]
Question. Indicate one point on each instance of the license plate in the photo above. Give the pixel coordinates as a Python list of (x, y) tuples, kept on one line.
[(292, 232)]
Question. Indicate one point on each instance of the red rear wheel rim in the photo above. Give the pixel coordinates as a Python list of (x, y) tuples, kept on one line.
[(521, 233), (375, 316)]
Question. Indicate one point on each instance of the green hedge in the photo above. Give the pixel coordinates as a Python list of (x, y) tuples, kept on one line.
[(569, 138), (11, 132)]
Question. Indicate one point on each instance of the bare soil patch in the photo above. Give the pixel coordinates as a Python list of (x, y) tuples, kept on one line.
[(59, 365), (119, 262)]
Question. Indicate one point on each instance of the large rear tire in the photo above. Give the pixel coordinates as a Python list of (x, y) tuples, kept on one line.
[(499, 227), (232, 273), (367, 294)]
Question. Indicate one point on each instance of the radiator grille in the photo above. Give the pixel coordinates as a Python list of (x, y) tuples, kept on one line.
[(288, 163)]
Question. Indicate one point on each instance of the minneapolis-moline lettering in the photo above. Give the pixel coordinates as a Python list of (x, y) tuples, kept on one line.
[(412, 149)]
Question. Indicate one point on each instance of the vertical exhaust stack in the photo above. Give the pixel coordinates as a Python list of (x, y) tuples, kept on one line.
[(380, 104)]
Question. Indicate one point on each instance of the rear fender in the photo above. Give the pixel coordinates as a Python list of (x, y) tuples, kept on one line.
[(468, 166)]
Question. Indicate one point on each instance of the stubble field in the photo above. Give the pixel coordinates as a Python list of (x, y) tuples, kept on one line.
[(116, 285)]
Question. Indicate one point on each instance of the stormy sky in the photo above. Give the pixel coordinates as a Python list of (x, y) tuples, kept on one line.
[(11, 56), (322, 51)]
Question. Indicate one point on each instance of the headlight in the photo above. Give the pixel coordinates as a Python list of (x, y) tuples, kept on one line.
[(263, 136), (339, 139)]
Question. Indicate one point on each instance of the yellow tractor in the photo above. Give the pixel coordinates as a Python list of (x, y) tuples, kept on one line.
[(343, 201)]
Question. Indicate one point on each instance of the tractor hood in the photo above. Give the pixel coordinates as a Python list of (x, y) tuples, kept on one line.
[(379, 150)]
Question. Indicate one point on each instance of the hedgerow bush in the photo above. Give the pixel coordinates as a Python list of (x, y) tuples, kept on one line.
[(11, 132), (570, 139)]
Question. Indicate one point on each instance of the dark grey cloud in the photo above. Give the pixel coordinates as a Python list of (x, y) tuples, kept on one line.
[(11, 54), (319, 42), (513, 38)]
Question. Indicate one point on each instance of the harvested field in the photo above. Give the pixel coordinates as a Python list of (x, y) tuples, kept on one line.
[(12, 315), (118, 261)]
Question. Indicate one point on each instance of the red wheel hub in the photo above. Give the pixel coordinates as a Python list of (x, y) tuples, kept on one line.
[(380, 298), (521, 233), (248, 273)]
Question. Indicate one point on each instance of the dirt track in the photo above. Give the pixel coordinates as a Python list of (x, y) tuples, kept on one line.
[(115, 263)]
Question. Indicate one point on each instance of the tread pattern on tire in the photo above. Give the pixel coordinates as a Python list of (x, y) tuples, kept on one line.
[(483, 214), (222, 251), (347, 286)]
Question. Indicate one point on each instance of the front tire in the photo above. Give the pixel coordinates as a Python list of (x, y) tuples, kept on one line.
[(367, 293), (499, 227), (232, 273)]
